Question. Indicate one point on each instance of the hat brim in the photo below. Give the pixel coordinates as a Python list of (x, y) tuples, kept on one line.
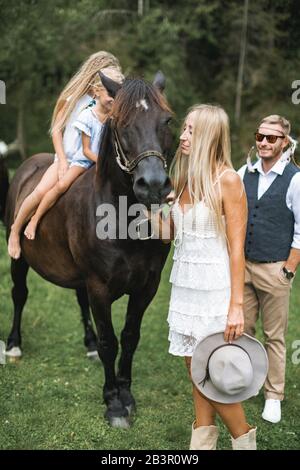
[(258, 357)]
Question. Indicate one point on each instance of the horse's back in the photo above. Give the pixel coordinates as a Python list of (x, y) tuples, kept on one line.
[(24, 181)]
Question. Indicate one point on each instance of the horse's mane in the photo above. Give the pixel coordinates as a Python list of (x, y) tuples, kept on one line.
[(106, 152), (124, 112)]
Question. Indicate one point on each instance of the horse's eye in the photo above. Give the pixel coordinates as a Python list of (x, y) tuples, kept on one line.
[(167, 120)]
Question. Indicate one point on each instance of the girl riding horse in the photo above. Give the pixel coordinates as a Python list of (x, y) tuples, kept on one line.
[(76, 96)]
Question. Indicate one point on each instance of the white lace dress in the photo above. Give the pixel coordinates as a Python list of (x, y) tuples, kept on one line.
[(200, 279)]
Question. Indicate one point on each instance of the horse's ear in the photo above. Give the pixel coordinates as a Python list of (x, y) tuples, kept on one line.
[(159, 81), (112, 87)]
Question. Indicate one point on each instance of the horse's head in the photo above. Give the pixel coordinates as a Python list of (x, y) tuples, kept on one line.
[(142, 138)]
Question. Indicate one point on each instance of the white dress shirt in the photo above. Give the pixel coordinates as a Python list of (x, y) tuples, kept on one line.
[(292, 196)]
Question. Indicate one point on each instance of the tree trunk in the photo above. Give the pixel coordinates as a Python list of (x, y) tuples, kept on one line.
[(140, 7), (239, 84)]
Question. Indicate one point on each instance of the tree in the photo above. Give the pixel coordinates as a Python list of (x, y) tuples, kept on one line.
[(196, 43), (239, 85)]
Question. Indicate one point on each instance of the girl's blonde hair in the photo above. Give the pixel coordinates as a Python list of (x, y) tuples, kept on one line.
[(209, 152), (80, 84)]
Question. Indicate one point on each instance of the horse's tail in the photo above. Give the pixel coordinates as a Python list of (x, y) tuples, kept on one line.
[(4, 186)]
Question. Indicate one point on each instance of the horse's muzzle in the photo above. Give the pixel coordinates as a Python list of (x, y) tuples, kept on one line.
[(151, 187)]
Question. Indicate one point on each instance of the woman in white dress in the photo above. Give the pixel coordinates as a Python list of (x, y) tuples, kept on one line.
[(208, 224)]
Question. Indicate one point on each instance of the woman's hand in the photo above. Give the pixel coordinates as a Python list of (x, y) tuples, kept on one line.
[(63, 166), (235, 323)]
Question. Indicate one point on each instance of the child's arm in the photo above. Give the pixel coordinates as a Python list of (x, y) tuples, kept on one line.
[(86, 142), (57, 139)]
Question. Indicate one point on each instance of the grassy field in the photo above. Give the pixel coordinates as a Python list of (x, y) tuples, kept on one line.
[(52, 399)]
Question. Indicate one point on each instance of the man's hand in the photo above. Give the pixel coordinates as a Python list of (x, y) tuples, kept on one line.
[(293, 260)]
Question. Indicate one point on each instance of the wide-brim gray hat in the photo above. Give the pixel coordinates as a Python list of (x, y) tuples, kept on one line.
[(229, 372)]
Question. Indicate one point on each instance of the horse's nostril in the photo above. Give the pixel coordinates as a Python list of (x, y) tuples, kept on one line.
[(141, 182), (153, 190)]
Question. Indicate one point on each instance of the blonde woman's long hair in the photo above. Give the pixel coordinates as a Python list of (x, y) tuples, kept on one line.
[(210, 151), (80, 84)]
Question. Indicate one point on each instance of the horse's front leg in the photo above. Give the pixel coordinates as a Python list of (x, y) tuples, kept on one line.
[(107, 347), (138, 302)]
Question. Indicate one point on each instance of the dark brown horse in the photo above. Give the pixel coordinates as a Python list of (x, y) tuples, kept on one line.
[(67, 250)]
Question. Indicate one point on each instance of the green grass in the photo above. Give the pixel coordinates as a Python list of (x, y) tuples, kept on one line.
[(52, 399)]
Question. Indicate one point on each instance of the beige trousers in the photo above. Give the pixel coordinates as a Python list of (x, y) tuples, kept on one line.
[(267, 292)]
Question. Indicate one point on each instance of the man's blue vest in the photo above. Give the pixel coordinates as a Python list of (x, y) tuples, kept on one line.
[(270, 227)]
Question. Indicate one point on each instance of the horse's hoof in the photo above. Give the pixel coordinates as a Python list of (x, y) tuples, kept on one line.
[(93, 355), (14, 354), (117, 415), (119, 422)]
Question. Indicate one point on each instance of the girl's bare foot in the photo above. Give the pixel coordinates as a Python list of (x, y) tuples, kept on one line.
[(30, 230), (14, 247)]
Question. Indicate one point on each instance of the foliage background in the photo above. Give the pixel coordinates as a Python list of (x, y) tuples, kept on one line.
[(196, 43)]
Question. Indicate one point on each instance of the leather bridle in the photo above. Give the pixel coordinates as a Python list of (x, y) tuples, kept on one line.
[(129, 165)]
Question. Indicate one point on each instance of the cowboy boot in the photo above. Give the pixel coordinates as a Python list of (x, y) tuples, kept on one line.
[(204, 437), (246, 441)]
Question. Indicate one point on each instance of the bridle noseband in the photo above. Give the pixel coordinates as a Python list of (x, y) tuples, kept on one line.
[(127, 165)]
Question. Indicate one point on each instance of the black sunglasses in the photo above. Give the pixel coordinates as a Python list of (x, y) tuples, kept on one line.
[(271, 139)]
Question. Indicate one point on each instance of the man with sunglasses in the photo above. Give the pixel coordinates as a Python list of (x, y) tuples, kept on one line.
[(272, 247)]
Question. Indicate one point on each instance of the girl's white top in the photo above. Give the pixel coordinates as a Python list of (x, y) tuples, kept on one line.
[(71, 136), (88, 122)]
